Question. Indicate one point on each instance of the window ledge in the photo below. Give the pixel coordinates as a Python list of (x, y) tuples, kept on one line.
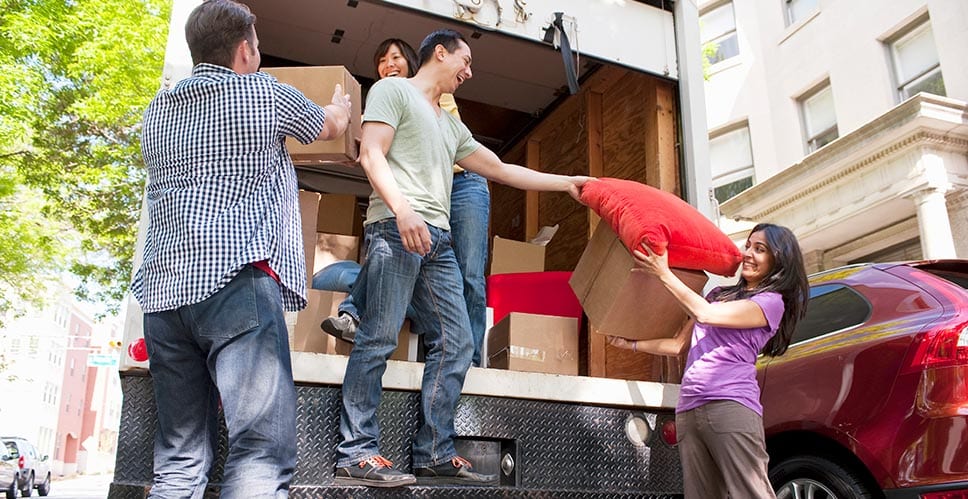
[(793, 28), (723, 65)]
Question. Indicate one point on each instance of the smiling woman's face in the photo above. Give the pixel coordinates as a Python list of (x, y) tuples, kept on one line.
[(393, 63), (758, 259)]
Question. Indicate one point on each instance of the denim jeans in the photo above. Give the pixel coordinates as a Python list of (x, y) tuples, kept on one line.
[(232, 347), (395, 278), (470, 212), (337, 276), (470, 208), (341, 276)]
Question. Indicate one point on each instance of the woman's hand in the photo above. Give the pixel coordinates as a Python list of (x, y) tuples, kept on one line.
[(619, 342), (577, 182), (651, 262)]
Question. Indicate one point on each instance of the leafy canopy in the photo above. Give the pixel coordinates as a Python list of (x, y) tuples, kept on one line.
[(75, 76)]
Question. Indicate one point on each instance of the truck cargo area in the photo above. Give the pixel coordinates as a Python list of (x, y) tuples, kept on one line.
[(597, 434)]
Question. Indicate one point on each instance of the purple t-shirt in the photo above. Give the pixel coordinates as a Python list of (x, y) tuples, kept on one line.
[(721, 364)]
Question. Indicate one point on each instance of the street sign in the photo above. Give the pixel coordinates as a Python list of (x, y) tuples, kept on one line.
[(102, 360)]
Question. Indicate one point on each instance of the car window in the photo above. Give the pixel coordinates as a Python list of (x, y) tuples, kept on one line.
[(832, 307), (12, 449)]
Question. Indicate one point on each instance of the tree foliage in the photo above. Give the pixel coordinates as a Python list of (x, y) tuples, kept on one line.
[(75, 76)]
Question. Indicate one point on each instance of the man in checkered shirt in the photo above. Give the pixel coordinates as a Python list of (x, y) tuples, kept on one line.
[(224, 258)]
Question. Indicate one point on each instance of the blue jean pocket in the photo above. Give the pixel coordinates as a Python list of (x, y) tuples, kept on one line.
[(232, 310)]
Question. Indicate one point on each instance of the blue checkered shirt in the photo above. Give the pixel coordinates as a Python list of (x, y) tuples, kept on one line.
[(222, 191)]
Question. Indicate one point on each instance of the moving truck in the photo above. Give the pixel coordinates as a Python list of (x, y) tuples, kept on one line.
[(593, 87)]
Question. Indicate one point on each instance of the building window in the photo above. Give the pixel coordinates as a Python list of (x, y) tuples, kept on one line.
[(916, 64), (731, 162), (798, 10), (819, 118), (717, 27)]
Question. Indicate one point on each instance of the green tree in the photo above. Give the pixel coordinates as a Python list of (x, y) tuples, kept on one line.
[(75, 76)]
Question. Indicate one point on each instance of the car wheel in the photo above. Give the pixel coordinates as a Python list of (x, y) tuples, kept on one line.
[(815, 477), (29, 487), (12, 491), (44, 488)]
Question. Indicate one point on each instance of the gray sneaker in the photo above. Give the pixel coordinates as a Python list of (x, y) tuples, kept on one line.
[(342, 327), (458, 471)]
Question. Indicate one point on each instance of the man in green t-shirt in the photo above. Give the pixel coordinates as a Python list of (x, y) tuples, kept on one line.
[(408, 150)]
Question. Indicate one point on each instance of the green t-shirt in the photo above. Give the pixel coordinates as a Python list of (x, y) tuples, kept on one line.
[(424, 149)]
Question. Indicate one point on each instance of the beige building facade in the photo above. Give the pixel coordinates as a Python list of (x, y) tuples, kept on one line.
[(843, 120)]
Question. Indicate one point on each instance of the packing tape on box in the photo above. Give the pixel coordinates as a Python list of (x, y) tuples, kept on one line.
[(519, 352)]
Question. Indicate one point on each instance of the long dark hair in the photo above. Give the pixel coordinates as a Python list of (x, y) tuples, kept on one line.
[(788, 277), (408, 53)]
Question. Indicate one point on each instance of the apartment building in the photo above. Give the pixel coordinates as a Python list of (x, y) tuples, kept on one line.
[(60, 381), (845, 120)]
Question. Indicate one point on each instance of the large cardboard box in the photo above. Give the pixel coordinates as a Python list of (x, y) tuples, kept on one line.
[(509, 256), (534, 343), (331, 248), (318, 83), (339, 214), (308, 211), (307, 335), (621, 301)]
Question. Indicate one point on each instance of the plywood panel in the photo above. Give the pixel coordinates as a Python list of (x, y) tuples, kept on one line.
[(662, 167), (625, 129)]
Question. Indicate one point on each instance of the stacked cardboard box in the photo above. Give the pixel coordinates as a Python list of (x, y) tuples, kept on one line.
[(509, 256), (332, 224), (535, 343), (621, 300)]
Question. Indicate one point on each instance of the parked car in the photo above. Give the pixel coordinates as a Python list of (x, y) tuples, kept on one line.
[(871, 399), (9, 472), (34, 467)]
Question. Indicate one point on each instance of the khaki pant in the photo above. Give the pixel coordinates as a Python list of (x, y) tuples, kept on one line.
[(723, 452)]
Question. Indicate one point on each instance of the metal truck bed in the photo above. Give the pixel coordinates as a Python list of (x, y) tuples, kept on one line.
[(545, 435)]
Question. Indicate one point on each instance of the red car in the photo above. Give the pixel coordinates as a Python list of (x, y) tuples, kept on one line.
[(871, 399)]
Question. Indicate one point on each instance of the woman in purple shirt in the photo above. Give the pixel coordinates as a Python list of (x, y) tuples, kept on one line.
[(719, 416)]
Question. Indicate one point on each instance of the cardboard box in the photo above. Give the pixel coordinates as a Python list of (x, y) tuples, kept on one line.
[(329, 248), (318, 83), (621, 302), (308, 211), (509, 256), (339, 214), (307, 335), (534, 343)]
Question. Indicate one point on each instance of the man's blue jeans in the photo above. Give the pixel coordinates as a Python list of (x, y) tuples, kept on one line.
[(232, 347), (395, 278), (470, 208)]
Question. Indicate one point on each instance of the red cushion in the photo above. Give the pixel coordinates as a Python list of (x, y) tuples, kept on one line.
[(545, 293), (639, 213)]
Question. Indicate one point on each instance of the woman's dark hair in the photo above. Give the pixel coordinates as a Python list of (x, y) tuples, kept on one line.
[(449, 38), (215, 28), (405, 49), (788, 277)]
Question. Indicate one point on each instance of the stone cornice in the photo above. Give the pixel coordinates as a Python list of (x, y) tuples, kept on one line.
[(922, 121)]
